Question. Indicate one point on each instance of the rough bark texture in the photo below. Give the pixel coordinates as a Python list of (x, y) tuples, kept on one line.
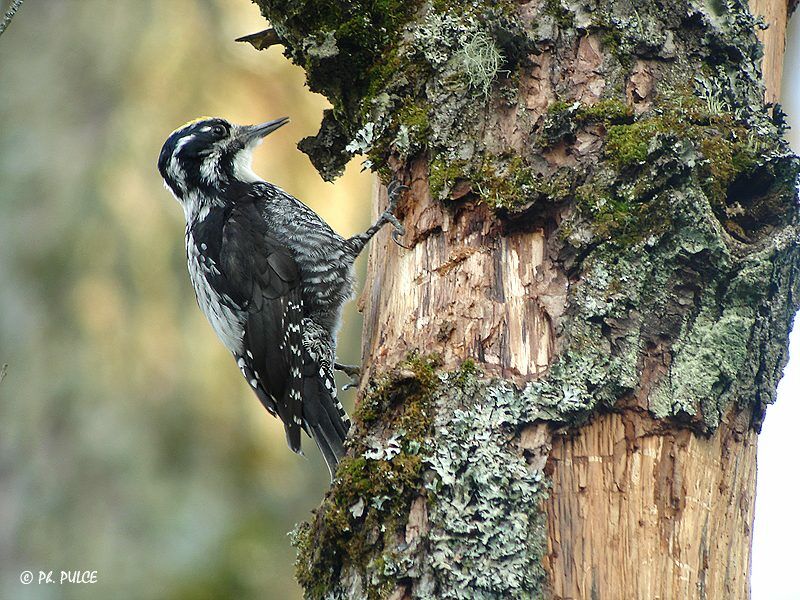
[(566, 370)]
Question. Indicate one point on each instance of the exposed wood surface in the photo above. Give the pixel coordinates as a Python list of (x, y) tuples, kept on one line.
[(775, 15), (461, 290), (641, 514)]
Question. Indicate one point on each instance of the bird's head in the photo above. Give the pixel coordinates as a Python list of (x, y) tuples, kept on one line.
[(207, 154)]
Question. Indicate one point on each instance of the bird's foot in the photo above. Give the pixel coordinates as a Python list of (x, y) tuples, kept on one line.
[(394, 189), (352, 371)]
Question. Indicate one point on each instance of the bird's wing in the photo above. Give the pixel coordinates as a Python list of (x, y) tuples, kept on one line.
[(264, 277)]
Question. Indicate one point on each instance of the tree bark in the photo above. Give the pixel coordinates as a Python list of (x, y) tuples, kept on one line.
[(566, 369)]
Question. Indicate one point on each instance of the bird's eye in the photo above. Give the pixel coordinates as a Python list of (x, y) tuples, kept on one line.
[(219, 130)]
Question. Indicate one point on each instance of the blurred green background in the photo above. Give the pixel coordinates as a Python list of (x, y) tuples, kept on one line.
[(129, 443)]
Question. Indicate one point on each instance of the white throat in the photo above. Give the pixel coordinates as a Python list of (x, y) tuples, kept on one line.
[(243, 166)]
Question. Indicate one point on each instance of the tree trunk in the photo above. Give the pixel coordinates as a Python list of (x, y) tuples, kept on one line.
[(566, 367)]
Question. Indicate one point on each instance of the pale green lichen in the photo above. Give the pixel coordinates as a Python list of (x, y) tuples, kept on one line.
[(454, 438), (487, 534), (705, 362), (684, 293), (481, 60)]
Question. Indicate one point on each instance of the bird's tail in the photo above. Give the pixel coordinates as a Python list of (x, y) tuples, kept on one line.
[(324, 417)]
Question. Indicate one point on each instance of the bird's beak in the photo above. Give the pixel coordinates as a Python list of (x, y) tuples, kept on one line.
[(253, 134)]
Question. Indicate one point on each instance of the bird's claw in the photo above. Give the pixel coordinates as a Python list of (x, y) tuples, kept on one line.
[(399, 229), (397, 234), (393, 190), (352, 371)]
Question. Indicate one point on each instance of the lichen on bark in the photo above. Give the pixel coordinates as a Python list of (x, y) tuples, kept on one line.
[(423, 445), (486, 528)]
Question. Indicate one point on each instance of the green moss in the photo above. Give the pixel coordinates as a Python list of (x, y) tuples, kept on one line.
[(681, 137), (443, 174), (501, 181), (559, 106), (349, 51), (506, 183), (363, 31), (369, 498), (627, 145), (725, 149), (608, 110), (563, 119), (721, 168), (612, 41), (727, 159), (720, 134), (467, 373), (374, 487), (622, 219), (412, 380), (414, 115), (382, 72), (511, 185), (563, 16), (406, 134)]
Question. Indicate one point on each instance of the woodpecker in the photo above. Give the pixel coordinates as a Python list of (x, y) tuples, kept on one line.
[(269, 274)]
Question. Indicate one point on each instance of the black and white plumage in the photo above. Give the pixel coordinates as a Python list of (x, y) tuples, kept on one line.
[(269, 274)]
